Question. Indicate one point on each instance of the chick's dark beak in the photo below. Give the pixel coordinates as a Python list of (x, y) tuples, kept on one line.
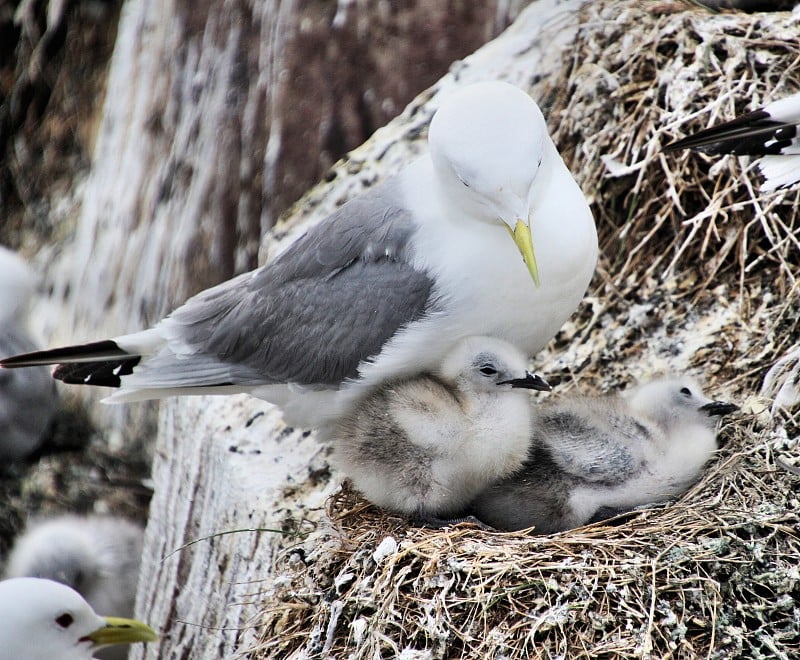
[(719, 408), (530, 382)]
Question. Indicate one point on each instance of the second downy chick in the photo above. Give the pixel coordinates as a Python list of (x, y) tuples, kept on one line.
[(591, 457)]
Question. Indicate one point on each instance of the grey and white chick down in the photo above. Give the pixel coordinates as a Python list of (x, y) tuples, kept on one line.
[(28, 398), (591, 457), (425, 446), (98, 556)]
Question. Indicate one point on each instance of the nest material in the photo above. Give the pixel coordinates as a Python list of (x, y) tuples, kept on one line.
[(698, 273), (666, 213)]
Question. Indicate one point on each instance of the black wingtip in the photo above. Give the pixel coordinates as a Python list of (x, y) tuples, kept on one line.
[(751, 134), (738, 123), (95, 352), (107, 373)]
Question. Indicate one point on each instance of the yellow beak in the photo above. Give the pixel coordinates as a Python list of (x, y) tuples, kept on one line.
[(524, 242), (122, 631)]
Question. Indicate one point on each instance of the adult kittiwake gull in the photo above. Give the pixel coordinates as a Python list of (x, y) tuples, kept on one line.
[(46, 620), (770, 132), (592, 457), (98, 556), (486, 234), (28, 398), (426, 445)]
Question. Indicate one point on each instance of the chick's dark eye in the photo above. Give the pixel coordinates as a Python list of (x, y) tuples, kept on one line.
[(65, 620), (488, 370), (686, 391)]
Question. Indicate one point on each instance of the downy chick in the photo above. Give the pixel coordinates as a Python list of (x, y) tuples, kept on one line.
[(426, 445), (590, 457)]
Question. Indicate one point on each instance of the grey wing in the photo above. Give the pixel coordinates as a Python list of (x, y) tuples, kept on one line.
[(331, 300)]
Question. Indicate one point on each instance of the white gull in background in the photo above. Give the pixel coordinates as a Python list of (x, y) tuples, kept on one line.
[(592, 457), (46, 620), (770, 132), (487, 234), (98, 556), (28, 398), (426, 445)]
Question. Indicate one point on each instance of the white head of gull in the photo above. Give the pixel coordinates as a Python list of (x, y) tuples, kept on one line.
[(98, 556), (46, 620), (387, 284)]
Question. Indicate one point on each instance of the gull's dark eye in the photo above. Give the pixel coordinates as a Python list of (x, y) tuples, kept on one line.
[(466, 185), (488, 370), (65, 620), (686, 391)]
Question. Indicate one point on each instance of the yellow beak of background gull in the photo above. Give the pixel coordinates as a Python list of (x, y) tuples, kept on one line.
[(524, 242), (122, 631)]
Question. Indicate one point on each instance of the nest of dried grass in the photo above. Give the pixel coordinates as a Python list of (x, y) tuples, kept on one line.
[(698, 273), (715, 571), (637, 81)]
